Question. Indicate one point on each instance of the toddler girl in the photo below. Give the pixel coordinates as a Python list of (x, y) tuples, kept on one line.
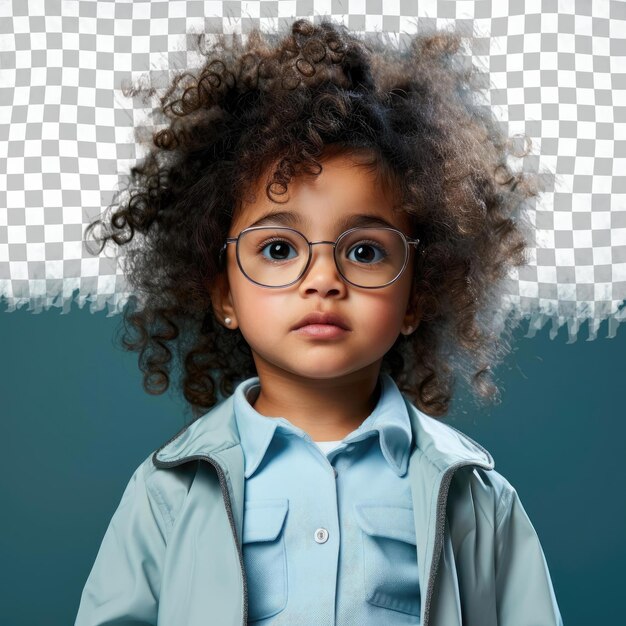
[(326, 223)]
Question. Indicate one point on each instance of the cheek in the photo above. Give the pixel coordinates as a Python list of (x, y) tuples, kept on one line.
[(256, 305), (382, 313), (393, 299)]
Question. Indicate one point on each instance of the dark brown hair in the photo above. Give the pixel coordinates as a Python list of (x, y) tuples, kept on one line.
[(284, 101)]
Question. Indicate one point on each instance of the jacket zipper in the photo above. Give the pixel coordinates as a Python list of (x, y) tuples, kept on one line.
[(229, 511), (442, 499)]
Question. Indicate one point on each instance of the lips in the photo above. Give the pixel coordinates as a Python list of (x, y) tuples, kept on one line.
[(318, 317)]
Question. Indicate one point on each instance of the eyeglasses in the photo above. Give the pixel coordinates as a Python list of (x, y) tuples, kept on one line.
[(278, 256)]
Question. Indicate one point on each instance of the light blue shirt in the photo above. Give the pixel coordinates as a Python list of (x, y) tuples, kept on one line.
[(329, 536)]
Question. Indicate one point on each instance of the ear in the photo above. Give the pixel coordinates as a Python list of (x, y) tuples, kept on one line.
[(221, 300), (412, 316)]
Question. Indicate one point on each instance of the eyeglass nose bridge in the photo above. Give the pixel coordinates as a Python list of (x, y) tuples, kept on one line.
[(314, 243), (308, 263)]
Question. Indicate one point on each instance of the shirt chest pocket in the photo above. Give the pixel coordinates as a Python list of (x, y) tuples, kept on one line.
[(389, 557), (264, 556)]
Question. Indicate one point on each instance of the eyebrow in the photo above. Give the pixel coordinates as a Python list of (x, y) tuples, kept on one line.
[(287, 218)]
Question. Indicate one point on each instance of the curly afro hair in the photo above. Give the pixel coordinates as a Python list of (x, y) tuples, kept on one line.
[(283, 101)]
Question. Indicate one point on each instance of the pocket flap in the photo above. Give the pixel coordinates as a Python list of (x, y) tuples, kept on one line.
[(392, 521), (263, 519)]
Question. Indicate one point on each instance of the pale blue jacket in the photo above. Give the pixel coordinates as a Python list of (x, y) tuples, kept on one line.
[(172, 554)]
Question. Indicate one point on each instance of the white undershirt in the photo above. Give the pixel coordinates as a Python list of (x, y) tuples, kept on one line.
[(327, 446)]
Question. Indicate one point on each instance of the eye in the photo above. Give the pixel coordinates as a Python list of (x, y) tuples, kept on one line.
[(366, 252), (278, 248)]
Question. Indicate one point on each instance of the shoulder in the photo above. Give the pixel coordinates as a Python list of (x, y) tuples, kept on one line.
[(487, 493), (166, 489), (170, 471)]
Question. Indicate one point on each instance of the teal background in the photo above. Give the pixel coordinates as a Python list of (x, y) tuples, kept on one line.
[(76, 423)]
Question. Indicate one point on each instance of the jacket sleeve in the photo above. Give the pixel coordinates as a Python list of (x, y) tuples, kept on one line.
[(124, 583), (524, 591)]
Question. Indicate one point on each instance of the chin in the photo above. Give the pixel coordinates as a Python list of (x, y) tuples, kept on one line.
[(325, 371)]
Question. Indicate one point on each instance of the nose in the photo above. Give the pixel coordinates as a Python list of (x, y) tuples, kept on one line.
[(322, 274)]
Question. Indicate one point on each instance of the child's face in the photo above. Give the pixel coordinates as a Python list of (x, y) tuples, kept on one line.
[(266, 317)]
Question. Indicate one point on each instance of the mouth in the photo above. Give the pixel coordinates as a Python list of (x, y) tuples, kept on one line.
[(317, 318), (321, 331)]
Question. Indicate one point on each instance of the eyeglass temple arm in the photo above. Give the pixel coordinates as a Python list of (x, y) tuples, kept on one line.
[(228, 240)]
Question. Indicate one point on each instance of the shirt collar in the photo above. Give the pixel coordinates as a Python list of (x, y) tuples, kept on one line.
[(389, 418)]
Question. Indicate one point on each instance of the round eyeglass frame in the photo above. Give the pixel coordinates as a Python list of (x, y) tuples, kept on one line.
[(408, 241)]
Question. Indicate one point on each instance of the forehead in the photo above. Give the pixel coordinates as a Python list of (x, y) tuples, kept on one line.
[(346, 193)]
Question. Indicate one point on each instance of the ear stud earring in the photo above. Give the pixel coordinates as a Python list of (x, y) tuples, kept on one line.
[(227, 320)]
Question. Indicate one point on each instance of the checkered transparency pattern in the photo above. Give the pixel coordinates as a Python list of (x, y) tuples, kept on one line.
[(556, 70)]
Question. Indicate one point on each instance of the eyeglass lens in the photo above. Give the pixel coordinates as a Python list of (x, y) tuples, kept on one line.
[(368, 257)]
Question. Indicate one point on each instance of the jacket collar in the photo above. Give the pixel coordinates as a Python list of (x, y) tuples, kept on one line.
[(216, 430)]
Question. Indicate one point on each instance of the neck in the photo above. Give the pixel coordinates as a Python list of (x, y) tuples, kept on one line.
[(326, 409)]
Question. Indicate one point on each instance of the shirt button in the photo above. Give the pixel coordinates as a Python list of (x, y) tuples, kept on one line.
[(321, 535)]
